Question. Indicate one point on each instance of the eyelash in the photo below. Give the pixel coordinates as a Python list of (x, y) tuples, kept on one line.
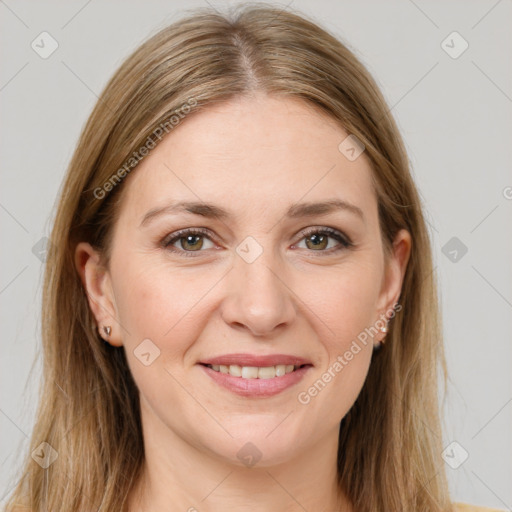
[(344, 241)]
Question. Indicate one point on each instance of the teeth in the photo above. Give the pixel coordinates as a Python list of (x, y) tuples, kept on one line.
[(280, 370), (249, 372), (254, 372), (266, 373), (235, 370)]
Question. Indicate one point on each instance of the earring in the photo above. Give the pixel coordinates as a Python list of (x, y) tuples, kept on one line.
[(383, 329), (107, 330)]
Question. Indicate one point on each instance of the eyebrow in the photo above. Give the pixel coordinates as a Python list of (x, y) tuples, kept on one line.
[(208, 210)]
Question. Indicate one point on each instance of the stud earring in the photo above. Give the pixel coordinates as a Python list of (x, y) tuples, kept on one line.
[(107, 330), (383, 329)]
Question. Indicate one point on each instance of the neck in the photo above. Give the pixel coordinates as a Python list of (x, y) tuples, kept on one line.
[(183, 477)]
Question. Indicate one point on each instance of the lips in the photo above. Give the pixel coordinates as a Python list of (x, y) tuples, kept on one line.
[(265, 375), (255, 360), (256, 388)]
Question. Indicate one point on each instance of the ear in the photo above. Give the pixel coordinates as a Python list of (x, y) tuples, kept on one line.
[(97, 284), (394, 273)]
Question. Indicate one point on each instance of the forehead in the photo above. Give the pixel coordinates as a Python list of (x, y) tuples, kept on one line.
[(253, 155)]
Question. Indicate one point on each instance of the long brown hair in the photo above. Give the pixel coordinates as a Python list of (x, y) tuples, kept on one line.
[(389, 456)]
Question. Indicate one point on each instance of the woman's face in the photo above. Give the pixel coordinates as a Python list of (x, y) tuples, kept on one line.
[(262, 278)]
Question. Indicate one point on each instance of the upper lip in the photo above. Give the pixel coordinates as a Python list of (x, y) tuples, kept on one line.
[(255, 360)]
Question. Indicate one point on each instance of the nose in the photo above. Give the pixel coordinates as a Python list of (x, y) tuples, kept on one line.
[(257, 298)]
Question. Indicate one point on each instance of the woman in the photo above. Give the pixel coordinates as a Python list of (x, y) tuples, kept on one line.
[(240, 310)]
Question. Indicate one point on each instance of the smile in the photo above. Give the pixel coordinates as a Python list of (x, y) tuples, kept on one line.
[(254, 381)]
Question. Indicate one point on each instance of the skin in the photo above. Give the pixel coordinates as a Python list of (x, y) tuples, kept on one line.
[(255, 155)]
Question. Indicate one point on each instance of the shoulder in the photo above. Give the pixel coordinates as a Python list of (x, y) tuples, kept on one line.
[(465, 507)]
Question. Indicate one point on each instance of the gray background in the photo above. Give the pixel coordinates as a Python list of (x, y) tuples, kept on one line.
[(455, 115)]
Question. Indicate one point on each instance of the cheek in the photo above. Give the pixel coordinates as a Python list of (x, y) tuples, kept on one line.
[(344, 301), (161, 313), (162, 304), (347, 352)]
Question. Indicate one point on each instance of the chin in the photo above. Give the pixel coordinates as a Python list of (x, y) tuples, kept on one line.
[(258, 450)]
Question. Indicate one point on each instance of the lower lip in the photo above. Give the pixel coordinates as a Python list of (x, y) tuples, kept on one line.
[(257, 387)]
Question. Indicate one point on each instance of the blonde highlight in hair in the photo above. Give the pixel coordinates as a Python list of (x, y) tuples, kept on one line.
[(390, 441)]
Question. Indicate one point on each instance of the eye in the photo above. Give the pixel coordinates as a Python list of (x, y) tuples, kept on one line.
[(317, 239), (189, 240)]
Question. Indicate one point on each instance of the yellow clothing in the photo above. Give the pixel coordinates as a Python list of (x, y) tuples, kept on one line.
[(464, 507)]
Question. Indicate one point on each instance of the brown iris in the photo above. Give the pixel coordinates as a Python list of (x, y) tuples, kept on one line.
[(194, 242), (319, 241)]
